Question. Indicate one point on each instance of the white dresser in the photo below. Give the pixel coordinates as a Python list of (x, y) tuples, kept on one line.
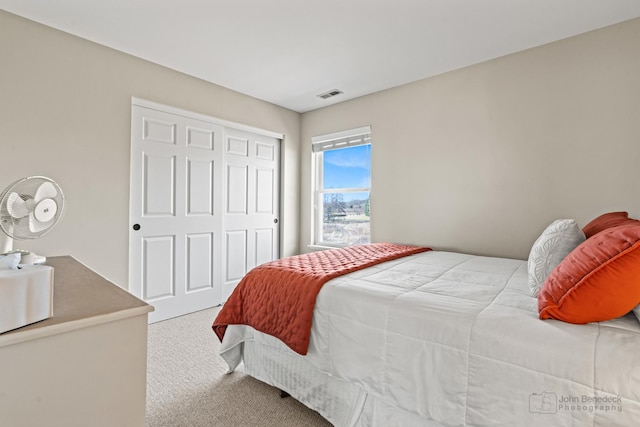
[(86, 365)]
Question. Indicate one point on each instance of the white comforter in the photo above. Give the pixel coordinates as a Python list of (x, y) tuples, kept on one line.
[(454, 340)]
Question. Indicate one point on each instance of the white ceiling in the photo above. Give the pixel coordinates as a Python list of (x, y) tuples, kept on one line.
[(288, 51)]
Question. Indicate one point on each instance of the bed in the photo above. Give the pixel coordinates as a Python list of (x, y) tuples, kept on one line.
[(438, 338)]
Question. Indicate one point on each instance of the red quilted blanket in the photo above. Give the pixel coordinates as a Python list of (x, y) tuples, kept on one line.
[(278, 297)]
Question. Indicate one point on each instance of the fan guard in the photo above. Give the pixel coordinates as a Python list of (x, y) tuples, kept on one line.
[(30, 207)]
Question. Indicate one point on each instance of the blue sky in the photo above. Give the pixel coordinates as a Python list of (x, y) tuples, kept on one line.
[(347, 167)]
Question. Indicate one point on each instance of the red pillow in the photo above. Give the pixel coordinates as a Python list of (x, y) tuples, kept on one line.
[(597, 281), (608, 220)]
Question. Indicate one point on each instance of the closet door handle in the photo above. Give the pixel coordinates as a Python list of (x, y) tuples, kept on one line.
[(136, 227)]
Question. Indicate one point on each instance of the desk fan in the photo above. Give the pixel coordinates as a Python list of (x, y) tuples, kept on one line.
[(29, 209)]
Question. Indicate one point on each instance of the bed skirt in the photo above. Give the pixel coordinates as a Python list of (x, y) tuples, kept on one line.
[(342, 403)]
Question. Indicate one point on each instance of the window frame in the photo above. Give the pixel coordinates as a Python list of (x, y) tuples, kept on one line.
[(335, 141)]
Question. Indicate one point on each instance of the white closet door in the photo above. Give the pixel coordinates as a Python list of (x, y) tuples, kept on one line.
[(175, 212), (203, 207), (251, 206)]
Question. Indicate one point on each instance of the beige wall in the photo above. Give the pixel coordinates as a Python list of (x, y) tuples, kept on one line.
[(477, 160), (65, 112), (482, 159)]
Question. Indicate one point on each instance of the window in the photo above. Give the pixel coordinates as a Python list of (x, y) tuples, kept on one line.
[(342, 185)]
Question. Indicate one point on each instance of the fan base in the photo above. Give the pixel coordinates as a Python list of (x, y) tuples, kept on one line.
[(6, 244)]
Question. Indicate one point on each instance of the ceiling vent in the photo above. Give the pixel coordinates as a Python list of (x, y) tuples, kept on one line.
[(329, 94)]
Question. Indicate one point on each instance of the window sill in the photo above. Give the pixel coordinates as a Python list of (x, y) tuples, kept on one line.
[(323, 247)]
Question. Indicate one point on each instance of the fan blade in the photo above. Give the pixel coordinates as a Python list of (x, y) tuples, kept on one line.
[(46, 191), (16, 206), (36, 226)]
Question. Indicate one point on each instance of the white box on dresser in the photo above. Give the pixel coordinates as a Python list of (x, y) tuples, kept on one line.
[(26, 296), (86, 365)]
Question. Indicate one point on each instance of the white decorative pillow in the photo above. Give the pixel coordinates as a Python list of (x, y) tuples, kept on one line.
[(556, 242)]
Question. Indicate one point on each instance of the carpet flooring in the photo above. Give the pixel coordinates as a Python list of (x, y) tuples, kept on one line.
[(187, 383)]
